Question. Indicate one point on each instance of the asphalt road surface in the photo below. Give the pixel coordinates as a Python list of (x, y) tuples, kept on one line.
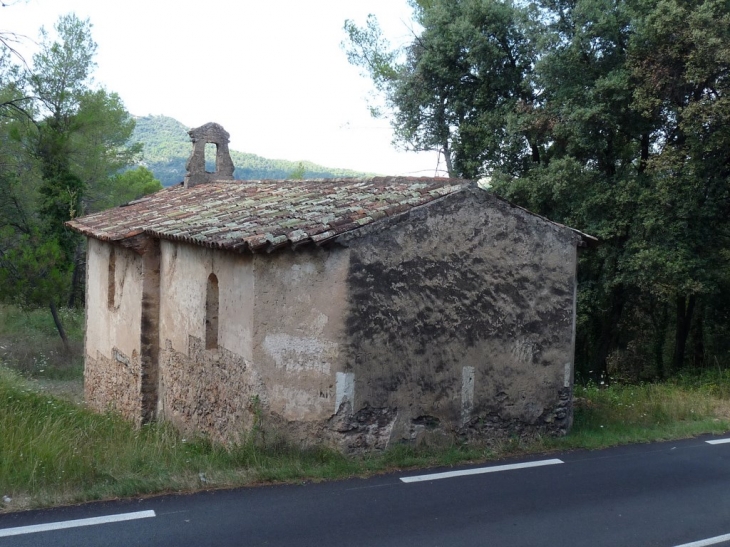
[(665, 494)]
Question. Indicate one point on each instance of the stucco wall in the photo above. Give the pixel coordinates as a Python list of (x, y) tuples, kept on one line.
[(461, 321), (299, 330), (281, 322), (112, 371), (201, 389)]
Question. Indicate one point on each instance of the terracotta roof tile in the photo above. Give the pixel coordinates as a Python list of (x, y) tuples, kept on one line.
[(266, 214)]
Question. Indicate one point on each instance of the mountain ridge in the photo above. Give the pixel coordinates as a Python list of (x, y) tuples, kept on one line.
[(166, 149)]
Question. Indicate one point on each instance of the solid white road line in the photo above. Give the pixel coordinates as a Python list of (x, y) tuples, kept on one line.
[(718, 441), (479, 471), (708, 541), (74, 523)]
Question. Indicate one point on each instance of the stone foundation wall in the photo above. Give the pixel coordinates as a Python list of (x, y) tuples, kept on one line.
[(114, 384), (222, 395), (214, 392), (366, 430), (555, 420)]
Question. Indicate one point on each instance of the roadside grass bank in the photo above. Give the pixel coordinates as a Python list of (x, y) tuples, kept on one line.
[(690, 404), (53, 451)]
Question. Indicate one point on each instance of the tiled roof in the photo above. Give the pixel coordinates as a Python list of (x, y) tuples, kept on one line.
[(264, 215)]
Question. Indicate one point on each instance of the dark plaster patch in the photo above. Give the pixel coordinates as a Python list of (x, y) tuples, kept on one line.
[(453, 287)]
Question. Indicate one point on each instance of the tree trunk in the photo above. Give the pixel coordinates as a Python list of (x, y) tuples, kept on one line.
[(535, 149), (447, 159), (76, 277), (660, 320), (685, 309), (645, 142), (698, 341), (59, 326), (608, 339)]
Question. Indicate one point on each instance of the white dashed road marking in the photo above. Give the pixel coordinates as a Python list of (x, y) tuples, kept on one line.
[(74, 523), (479, 471), (708, 541), (718, 441)]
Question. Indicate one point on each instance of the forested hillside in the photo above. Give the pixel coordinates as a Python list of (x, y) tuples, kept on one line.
[(166, 148)]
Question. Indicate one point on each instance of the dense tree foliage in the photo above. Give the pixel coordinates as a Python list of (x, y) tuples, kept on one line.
[(608, 115), (64, 149)]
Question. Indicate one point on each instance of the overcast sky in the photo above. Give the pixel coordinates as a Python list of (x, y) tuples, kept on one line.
[(272, 72)]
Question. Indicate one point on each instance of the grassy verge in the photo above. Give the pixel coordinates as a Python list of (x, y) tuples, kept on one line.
[(54, 451), (686, 406)]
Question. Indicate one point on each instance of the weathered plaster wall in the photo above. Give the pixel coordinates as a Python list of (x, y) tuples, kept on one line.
[(201, 389), (112, 370), (299, 331), (456, 318), (281, 325), (460, 321)]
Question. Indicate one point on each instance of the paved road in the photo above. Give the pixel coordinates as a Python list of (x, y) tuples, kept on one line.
[(664, 494)]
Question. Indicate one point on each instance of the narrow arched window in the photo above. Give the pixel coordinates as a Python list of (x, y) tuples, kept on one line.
[(211, 313), (111, 279)]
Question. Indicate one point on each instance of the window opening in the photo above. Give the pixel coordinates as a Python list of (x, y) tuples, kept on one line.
[(211, 313), (211, 157)]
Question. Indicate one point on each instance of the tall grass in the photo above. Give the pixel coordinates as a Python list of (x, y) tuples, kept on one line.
[(619, 414), (53, 451), (29, 342)]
